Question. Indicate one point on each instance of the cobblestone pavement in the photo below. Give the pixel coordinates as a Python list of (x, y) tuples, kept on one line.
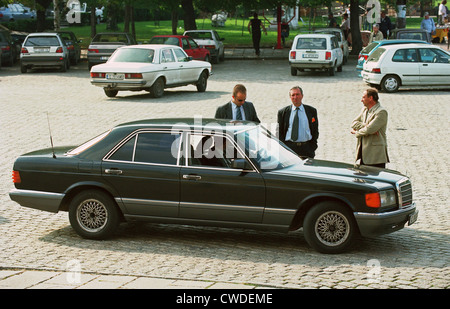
[(418, 130)]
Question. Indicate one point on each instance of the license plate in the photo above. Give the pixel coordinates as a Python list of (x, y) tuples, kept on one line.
[(41, 50), (104, 58), (115, 76), (310, 55), (413, 217)]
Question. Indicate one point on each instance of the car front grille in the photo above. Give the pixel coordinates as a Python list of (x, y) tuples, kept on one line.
[(405, 192)]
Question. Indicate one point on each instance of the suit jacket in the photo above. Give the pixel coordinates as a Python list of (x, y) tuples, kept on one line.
[(283, 123), (370, 126), (226, 112)]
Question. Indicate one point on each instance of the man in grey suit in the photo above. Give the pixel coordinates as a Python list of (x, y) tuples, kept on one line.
[(369, 127), (238, 108)]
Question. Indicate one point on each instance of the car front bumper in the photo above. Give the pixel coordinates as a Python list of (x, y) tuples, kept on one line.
[(45, 201), (373, 224)]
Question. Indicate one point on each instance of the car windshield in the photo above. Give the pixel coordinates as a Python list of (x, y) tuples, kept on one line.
[(42, 41), (312, 43), (142, 55), (164, 40), (375, 56), (87, 144), (369, 48), (266, 150)]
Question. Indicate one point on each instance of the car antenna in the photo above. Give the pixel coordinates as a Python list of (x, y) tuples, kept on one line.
[(51, 138)]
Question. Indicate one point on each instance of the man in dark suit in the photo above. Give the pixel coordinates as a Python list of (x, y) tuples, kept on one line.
[(298, 126), (238, 108)]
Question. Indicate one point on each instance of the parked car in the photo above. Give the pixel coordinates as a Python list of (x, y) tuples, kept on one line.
[(187, 43), (5, 15), (316, 52), (410, 34), (340, 36), (210, 40), (211, 172), (73, 45), (394, 66), (150, 67), (9, 49), (18, 39), (44, 50), (104, 44), (18, 11), (371, 47)]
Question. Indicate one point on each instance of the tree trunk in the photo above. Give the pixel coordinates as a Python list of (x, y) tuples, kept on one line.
[(93, 19), (189, 15), (354, 27), (174, 21)]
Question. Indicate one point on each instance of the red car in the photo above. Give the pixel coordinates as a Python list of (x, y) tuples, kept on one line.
[(187, 43)]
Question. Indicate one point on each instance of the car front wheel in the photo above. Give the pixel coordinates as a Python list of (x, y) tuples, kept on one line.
[(329, 227), (94, 214), (390, 83), (202, 82)]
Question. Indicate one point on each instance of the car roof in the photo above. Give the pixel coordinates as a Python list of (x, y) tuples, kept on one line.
[(169, 36), (43, 34), (198, 31), (314, 35), (411, 45), (399, 41), (152, 46)]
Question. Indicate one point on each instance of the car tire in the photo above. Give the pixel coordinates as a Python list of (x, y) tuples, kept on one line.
[(332, 70), (94, 214), (110, 93), (202, 82), (293, 71), (23, 69), (64, 67), (339, 69), (157, 89), (329, 227), (390, 83)]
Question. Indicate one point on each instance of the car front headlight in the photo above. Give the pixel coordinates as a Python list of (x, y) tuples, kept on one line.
[(382, 199)]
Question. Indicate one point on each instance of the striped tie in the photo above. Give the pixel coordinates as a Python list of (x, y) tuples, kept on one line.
[(238, 113)]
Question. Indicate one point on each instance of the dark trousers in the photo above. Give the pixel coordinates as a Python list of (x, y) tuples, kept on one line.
[(256, 38), (304, 150)]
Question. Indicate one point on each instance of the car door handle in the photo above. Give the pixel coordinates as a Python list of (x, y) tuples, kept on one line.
[(113, 171), (192, 177), (425, 65)]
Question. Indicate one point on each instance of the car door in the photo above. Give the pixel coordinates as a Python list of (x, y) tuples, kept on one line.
[(169, 66), (188, 71), (144, 170), (197, 54), (211, 189), (337, 51), (404, 62), (188, 49), (434, 67)]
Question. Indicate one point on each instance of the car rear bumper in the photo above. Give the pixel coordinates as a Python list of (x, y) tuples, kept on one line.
[(371, 78), (119, 84), (372, 224), (44, 61), (37, 199), (312, 65)]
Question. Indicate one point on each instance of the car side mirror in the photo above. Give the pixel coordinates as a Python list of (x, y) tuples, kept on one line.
[(189, 58), (241, 164)]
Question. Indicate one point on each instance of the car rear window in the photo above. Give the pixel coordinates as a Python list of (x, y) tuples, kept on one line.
[(369, 48), (200, 35), (312, 43), (42, 41), (412, 36), (142, 55), (375, 56), (110, 38), (168, 41)]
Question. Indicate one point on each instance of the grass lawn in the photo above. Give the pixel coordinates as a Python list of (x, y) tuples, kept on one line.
[(235, 31)]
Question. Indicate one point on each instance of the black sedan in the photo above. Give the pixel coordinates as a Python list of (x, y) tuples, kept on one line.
[(211, 172)]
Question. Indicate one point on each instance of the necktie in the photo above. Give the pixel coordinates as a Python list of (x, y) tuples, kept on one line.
[(295, 125), (238, 113)]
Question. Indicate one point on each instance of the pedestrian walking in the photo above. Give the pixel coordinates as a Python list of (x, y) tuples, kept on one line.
[(256, 25), (369, 127)]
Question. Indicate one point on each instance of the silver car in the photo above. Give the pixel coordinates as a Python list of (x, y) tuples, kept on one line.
[(44, 50), (210, 40)]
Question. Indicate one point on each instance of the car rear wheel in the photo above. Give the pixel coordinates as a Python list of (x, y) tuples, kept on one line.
[(202, 82), (94, 214), (293, 71), (23, 69), (110, 93), (332, 70), (157, 89), (329, 227), (390, 83)]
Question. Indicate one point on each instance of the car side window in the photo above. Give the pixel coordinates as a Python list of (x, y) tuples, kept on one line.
[(167, 56), (405, 55), (428, 55), (193, 43), (181, 56), (185, 44), (149, 147)]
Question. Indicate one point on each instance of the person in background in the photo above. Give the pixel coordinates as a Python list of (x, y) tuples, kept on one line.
[(284, 31), (442, 12), (376, 34), (385, 25), (256, 25), (345, 25), (427, 24), (332, 21)]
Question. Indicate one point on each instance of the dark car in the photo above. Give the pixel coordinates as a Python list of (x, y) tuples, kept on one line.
[(8, 46), (73, 45), (211, 172), (104, 44), (410, 34), (188, 44)]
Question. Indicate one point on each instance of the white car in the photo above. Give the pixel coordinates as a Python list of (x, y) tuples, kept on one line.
[(337, 32), (316, 52), (393, 66), (210, 40), (149, 67)]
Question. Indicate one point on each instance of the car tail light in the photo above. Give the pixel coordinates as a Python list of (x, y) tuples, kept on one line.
[(6, 48), (327, 55), (70, 47), (376, 70), (1, 15), (16, 177), (98, 75), (209, 46), (292, 55), (133, 75), (59, 50), (24, 50), (92, 50), (365, 57), (373, 200)]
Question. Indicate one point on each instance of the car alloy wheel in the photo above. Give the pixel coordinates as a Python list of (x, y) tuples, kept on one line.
[(93, 214), (329, 227), (390, 83)]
